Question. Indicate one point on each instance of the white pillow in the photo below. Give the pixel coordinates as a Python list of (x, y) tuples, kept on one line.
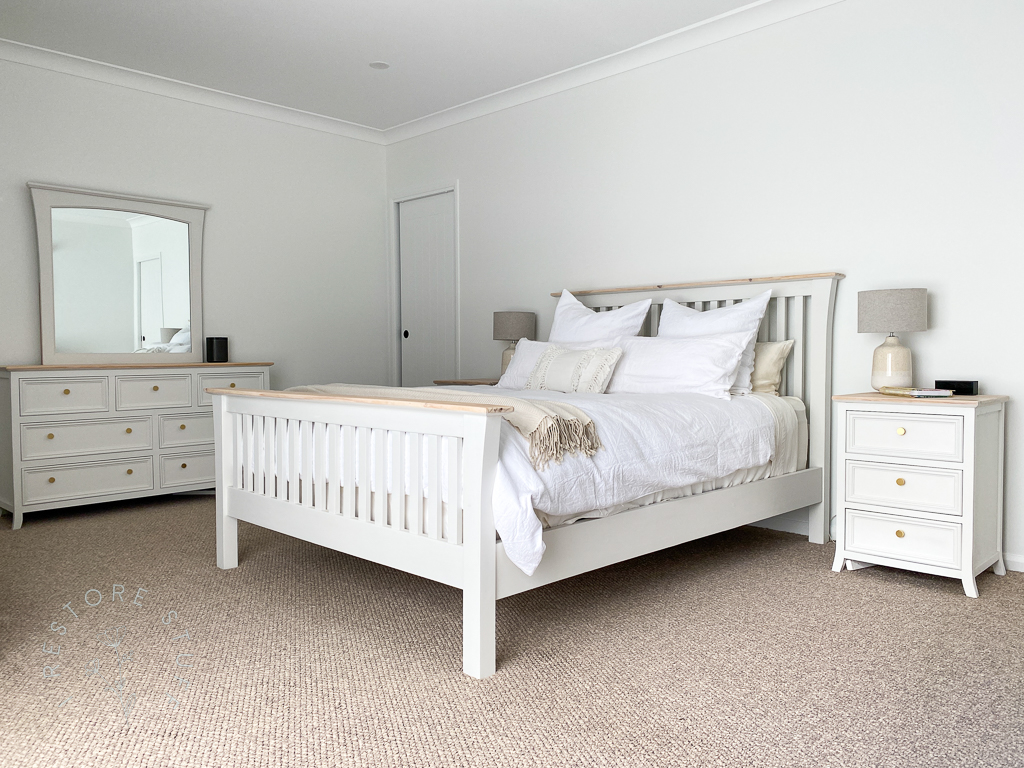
[(769, 360), (184, 336), (703, 365), (679, 322), (574, 370), (527, 355), (577, 323)]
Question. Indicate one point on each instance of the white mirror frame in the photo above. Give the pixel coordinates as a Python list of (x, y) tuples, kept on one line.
[(46, 197)]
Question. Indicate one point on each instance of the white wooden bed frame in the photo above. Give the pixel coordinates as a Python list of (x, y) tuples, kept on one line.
[(254, 429)]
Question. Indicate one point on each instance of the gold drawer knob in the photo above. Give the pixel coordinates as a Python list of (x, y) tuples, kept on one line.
[(129, 471), (901, 431), (184, 465), (50, 436), (128, 431), (156, 388), (232, 385), (900, 534), (182, 426), (900, 481), (52, 480), (67, 391)]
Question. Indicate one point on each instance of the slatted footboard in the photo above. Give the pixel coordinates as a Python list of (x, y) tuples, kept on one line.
[(406, 484)]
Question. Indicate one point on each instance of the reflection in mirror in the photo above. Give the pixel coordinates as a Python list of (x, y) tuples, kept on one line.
[(120, 282)]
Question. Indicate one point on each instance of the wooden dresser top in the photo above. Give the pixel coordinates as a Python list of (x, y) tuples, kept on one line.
[(124, 366)]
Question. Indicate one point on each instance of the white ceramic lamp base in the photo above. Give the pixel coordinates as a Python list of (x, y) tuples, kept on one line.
[(892, 365), (506, 356)]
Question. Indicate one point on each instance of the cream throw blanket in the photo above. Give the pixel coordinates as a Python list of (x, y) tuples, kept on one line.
[(552, 429)]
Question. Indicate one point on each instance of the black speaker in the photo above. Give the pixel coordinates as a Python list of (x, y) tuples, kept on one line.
[(216, 349)]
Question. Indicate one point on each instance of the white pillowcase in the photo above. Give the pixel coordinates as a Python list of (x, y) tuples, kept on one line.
[(574, 370), (703, 365), (527, 355), (679, 322), (769, 360), (577, 323)]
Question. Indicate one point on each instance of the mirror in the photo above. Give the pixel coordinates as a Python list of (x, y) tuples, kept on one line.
[(119, 277)]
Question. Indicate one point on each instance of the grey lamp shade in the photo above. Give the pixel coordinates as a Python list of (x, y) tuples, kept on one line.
[(513, 326), (897, 310)]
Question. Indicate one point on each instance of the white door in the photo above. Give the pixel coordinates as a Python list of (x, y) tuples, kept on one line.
[(429, 324), (151, 302)]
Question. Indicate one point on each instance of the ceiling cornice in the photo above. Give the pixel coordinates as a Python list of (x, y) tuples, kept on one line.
[(747, 18), (175, 89), (755, 15)]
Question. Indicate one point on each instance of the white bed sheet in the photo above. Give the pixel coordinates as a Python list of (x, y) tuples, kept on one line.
[(650, 443)]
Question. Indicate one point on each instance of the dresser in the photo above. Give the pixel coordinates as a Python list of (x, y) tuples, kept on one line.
[(81, 434), (920, 484)]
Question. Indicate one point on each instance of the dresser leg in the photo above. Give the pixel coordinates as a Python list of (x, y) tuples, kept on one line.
[(970, 586), (1000, 567), (19, 518)]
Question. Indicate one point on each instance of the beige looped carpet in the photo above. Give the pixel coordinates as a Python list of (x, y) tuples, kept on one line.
[(741, 649)]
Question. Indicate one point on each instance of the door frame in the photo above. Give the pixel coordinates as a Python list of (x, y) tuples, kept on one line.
[(395, 282)]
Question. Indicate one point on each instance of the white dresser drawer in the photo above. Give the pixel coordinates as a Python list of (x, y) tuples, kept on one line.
[(87, 394), (186, 429), (79, 481), (187, 469), (897, 485), (911, 436), (903, 538), (248, 380), (140, 392), (79, 438)]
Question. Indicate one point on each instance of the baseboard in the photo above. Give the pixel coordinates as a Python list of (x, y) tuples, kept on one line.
[(1013, 562)]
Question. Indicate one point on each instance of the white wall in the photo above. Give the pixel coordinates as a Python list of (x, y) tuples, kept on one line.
[(877, 138), (294, 269)]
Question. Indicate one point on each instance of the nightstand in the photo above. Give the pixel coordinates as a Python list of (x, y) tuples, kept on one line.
[(920, 484), (465, 382)]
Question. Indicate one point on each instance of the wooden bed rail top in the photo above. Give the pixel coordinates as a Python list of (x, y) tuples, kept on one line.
[(708, 284), (411, 403)]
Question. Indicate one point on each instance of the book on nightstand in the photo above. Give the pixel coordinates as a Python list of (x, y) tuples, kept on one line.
[(916, 392)]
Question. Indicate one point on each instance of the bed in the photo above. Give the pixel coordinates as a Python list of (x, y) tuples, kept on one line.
[(274, 469)]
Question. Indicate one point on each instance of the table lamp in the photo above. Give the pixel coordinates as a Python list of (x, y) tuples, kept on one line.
[(511, 327), (900, 310)]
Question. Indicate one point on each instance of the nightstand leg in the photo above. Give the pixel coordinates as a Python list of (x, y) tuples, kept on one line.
[(1000, 567), (837, 564), (970, 586)]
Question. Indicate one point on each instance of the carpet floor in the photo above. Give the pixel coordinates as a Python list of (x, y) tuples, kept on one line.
[(742, 649)]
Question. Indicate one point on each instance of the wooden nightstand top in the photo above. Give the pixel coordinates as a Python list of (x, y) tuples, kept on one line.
[(466, 382), (960, 401), (126, 366)]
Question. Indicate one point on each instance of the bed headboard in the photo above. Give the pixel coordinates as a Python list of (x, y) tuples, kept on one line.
[(800, 309)]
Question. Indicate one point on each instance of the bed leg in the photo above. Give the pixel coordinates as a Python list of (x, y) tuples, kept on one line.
[(818, 523), (227, 540), (478, 635), (227, 527), (479, 578)]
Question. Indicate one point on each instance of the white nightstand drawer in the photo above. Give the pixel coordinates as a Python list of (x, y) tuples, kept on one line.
[(79, 481), (246, 380), (903, 538), (138, 392), (906, 435), (184, 430), (187, 469), (79, 395), (897, 485), (79, 438)]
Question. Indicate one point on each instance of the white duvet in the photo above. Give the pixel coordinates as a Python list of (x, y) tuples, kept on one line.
[(651, 443)]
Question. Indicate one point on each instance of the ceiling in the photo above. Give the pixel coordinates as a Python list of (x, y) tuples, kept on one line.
[(314, 55)]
